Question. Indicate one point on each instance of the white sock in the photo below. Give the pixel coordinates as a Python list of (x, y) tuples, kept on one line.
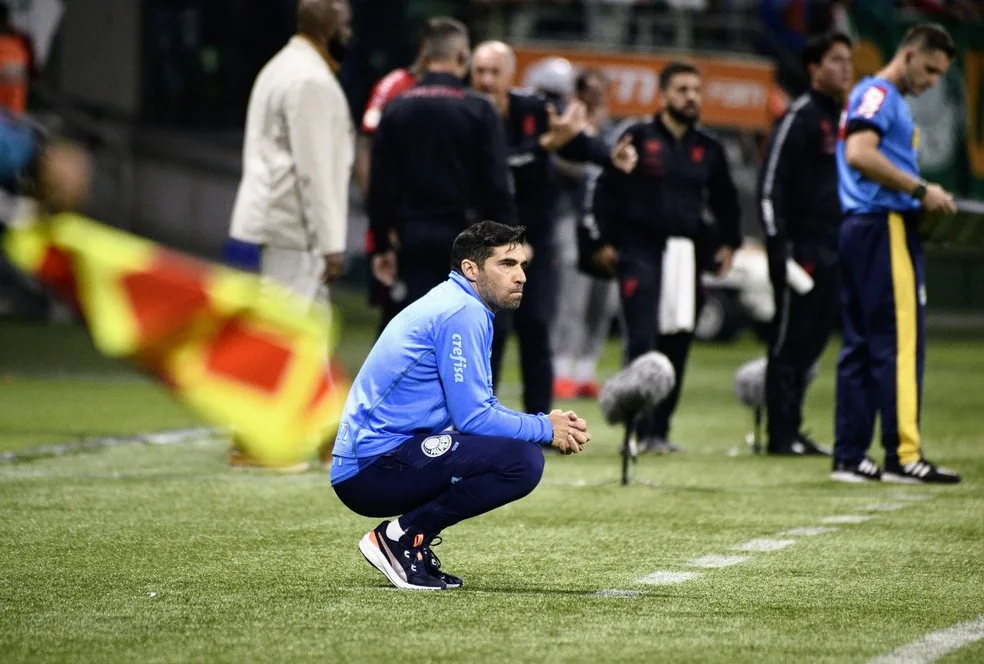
[(585, 370), (393, 530), (563, 367)]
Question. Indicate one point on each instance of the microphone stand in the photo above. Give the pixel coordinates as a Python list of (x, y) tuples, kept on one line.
[(630, 453), (754, 437), (630, 456)]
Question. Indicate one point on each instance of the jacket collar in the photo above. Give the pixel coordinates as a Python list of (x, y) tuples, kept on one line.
[(663, 129), (440, 78), (302, 42), (467, 286), (826, 101)]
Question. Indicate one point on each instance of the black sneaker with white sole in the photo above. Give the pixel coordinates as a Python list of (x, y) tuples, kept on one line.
[(864, 471), (434, 565), (801, 445), (402, 561), (918, 472)]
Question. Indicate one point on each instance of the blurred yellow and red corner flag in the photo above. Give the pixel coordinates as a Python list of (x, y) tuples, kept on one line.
[(243, 352)]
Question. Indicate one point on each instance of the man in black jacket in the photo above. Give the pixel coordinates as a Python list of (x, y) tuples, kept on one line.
[(438, 165), (682, 171), (534, 131), (801, 213)]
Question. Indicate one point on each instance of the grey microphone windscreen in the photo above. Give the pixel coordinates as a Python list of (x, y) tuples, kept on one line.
[(750, 381), (644, 383)]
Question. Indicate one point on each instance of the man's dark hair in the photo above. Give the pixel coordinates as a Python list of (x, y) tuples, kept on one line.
[(930, 37), (585, 75), (478, 242), (673, 69), (818, 46), (439, 35)]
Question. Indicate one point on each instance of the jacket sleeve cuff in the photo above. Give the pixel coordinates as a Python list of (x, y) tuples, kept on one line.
[(377, 241), (586, 148)]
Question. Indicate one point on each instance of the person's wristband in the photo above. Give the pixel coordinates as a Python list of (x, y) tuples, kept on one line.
[(919, 191)]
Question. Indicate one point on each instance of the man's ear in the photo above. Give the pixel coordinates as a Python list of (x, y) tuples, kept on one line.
[(469, 268)]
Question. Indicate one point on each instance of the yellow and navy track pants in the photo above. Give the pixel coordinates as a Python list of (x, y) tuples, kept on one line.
[(880, 368)]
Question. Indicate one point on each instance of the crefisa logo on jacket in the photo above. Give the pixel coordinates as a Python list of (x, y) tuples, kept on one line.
[(435, 446), (458, 357)]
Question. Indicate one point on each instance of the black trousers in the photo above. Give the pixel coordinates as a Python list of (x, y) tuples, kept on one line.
[(800, 330), (676, 347), (639, 275), (531, 323)]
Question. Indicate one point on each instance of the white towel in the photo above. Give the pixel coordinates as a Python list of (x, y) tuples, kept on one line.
[(678, 297)]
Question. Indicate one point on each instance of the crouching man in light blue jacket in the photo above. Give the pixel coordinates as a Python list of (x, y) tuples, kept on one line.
[(422, 435)]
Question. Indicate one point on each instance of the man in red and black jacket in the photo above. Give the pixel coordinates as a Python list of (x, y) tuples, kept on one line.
[(438, 166), (386, 89), (682, 171), (535, 130)]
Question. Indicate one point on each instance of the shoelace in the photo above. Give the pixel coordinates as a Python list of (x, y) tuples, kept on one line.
[(434, 560)]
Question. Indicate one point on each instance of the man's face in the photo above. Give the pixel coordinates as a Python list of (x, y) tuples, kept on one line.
[(343, 11), (491, 72), (338, 29), (595, 92), (923, 69), (682, 97), (500, 280), (835, 73)]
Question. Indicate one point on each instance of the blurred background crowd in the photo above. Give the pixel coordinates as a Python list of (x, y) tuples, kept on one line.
[(157, 90)]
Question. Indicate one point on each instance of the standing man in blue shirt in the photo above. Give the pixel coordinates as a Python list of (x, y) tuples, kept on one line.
[(880, 367), (422, 434)]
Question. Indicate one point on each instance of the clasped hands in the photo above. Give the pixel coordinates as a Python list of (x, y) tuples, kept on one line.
[(570, 432)]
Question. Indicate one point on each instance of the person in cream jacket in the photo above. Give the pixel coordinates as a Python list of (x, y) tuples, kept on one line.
[(290, 217)]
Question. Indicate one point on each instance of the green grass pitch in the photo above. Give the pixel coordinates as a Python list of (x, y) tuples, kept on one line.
[(161, 554)]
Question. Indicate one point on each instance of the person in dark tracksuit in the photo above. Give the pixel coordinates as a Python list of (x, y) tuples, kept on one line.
[(880, 367), (438, 165), (800, 211), (682, 171), (533, 132)]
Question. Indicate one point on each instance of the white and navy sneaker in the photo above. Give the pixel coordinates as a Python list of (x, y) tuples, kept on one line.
[(864, 471), (434, 565), (918, 472), (402, 562)]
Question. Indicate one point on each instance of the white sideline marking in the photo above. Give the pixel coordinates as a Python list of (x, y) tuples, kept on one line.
[(933, 646), (714, 562), (81, 377), (764, 545), (172, 437), (616, 593), (664, 578), (808, 531), (883, 507), (846, 518)]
